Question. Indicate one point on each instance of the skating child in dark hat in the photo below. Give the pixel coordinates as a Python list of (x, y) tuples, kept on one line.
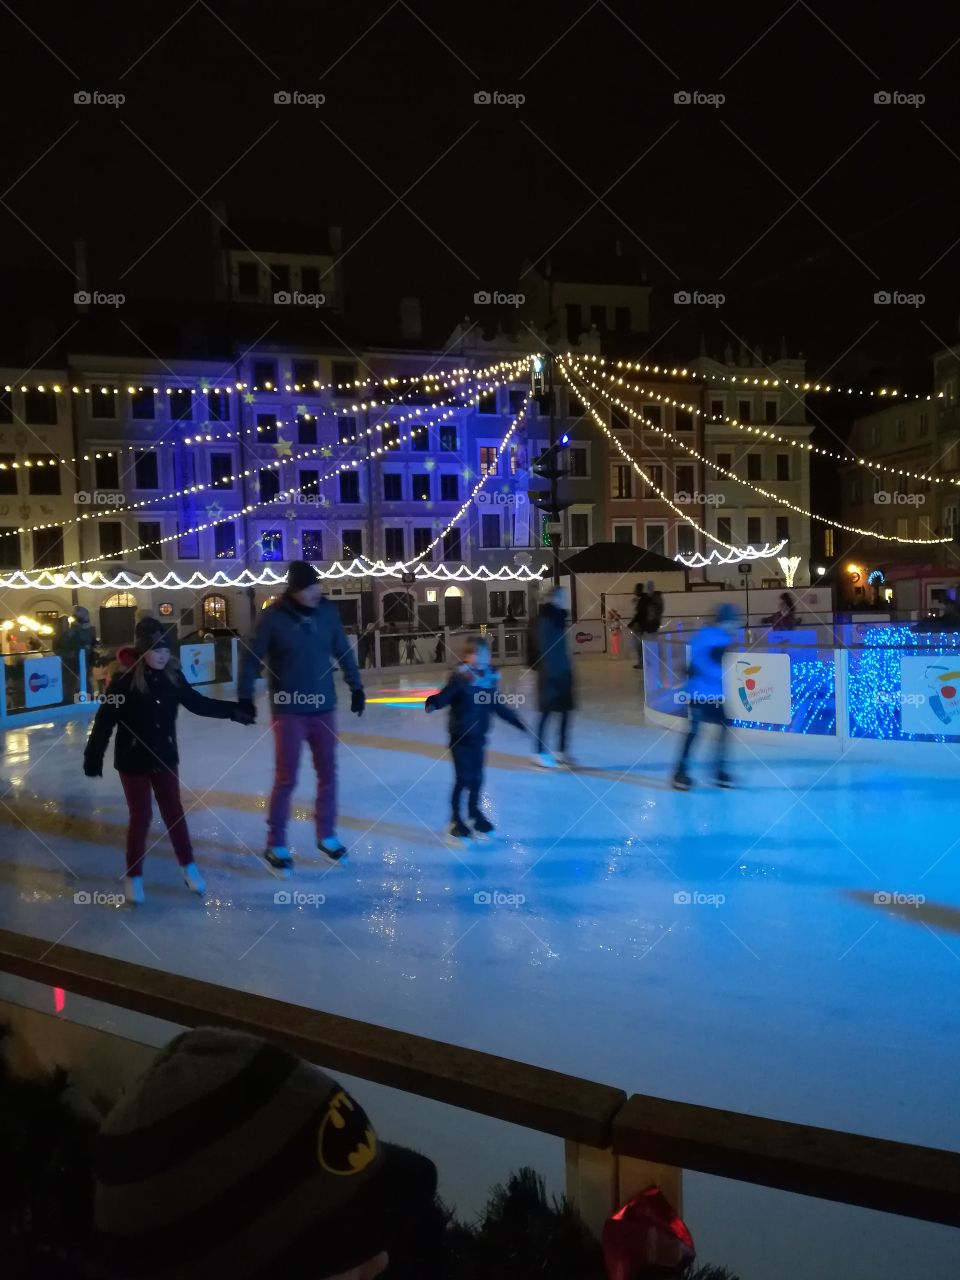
[(142, 701)]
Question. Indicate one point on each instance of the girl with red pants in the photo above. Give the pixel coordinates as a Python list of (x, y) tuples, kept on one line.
[(142, 701)]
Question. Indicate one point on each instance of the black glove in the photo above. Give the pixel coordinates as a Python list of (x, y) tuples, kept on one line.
[(247, 708), (431, 703), (93, 768), (358, 700)]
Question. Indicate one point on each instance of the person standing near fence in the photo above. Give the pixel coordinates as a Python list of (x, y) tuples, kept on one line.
[(638, 623), (299, 640), (553, 664)]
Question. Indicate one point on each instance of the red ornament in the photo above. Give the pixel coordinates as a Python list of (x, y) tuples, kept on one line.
[(647, 1237)]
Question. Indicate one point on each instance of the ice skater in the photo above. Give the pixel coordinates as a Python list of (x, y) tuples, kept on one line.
[(299, 640), (704, 692), (142, 701), (554, 667), (472, 694)]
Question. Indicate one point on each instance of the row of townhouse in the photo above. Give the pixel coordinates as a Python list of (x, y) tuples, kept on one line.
[(195, 467)]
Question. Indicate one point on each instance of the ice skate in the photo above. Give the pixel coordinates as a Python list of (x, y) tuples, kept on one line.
[(483, 828), (724, 779), (278, 860), (543, 760), (332, 850), (566, 760), (681, 781), (133, 891), (193, 879), (457, 833)]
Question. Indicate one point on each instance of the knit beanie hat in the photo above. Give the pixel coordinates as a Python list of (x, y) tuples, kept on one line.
[(234, 1157), (150, 634), (300, 575)]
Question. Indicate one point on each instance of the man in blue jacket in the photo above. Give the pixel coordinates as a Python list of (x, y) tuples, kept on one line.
[(704, 691), (299, 639)]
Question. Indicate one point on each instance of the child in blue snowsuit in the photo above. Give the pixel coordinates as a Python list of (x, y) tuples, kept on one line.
[(472, 694)]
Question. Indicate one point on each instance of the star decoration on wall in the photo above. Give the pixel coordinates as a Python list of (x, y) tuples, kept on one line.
[(283, 446), (429, 464), (214, 511), (248, 397), (326, 452), (291, 513), (466, 473), (204, 385), (303, 410)]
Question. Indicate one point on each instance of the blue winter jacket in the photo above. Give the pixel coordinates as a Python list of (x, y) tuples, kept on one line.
[(472, 698), (705, 668), (299, 650)]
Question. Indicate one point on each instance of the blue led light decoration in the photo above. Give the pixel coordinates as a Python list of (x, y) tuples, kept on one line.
[(875, 697)]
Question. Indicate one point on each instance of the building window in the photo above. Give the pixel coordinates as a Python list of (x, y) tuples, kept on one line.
[(716, 410), (310, 279), (451, 545), (248, 279), (111, 539), (487, 403), (218, 406), (306, 429), (106, 471), (103, 402), (682, 420), (655, 487), (623, 532), (420, 439), (188, 545), (724, 531), (343, 371), (311, 544), (264, 375), (621, 481), (221, 470), (392, 486), (684, 479), (490, 530), (10, 557), (579, 529), (655, 538), (577, 469), (214, 612), (47, 548), (754, 466), (40, 408), (421, 540), (449, 488), (8, 477), (828, 538), (267, 428), (725, 460), (685, 539), (903, 526), (349, 486), (783, 466), (6, 406), (390, 435), (146, 470), (515, 400), (743, 410), (874, 433), (754, 530), (271, 544), (574, 321), (488, 459), (922, 425), (856, 491), (598, 318), (783, 528), (352, 544), (280, 277), (621, 319), (309, 483), (225, 540), (44, 474), (900, 429), (619, 418), (770, 411), (143, 404), (448, 438), (498, 604), (149, 533), (268, 482), (421, 488), (653, 413), (181, 404), (346, 429), (393, 545)]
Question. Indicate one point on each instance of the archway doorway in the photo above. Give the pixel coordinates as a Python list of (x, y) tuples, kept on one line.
[(118, 616), (453, 607), (214, 612), (399, 607)]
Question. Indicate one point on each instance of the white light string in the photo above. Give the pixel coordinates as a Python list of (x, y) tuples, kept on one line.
[(699, 560)]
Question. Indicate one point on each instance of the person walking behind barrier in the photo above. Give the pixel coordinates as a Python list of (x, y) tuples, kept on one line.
[(703, 692), (638, 623), (299, 639), (654, 601), (554, 668)]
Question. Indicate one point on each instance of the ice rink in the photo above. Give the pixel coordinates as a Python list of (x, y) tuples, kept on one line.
[(727, 948)]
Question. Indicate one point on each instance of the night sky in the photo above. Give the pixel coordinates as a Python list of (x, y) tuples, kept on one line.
[(798, 197)]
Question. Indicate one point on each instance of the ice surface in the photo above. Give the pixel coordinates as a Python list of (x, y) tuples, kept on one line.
[(797, 996)]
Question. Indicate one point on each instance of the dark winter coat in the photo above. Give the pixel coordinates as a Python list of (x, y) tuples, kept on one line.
[(299, 649), (472, 699), (146, 740), (553, 665), (654, 612), (81, 635), (639, 620)]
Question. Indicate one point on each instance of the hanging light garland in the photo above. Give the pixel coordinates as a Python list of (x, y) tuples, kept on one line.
[(701, 560)]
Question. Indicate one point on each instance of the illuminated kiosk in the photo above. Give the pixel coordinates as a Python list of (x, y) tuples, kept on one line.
[(830, 687)]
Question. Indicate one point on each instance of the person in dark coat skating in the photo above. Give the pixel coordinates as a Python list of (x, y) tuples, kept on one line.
[(142, 701), (553, 664), (472, 693)]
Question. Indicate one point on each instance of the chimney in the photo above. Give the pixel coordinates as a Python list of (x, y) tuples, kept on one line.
[(80, 271), (411, 323)]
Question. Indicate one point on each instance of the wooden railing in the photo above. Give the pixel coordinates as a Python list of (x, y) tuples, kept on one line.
[(603, 1128)]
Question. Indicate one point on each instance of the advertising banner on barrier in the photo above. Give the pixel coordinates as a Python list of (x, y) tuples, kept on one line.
[(756, 686), (589, 636), (199, 663), (929, 694), (42, 682)]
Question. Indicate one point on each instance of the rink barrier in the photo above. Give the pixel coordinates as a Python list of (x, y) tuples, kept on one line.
[(614, 1145)]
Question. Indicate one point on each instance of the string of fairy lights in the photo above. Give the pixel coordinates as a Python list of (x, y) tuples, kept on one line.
[(812, 515), (774, 437)]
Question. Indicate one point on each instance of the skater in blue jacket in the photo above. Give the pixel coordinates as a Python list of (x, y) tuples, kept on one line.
[(704, 692), (472, 693)]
